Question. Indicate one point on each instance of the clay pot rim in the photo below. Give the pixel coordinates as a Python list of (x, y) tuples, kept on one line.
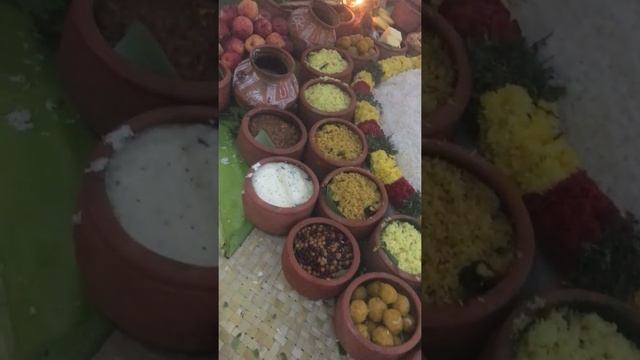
[(246, 120), (313, 280), (339, 163), (373, 57), (275, 209), (315, 3), (391, 48), (324, 114), (555, 299), (379, 214), (446, 116), (351, 13), (195, 90), (414, 300), (226, 77), (286, 58), (95, 202), (317, 73), (377, 239), (524, 242)]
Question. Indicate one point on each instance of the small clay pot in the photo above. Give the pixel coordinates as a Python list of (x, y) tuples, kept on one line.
[(626, 318), (345, 27), (387, 51), (273, 8), (224, 87), (456, 332), (376, 259), (361, 62), (359, 228), (157, 300), (318, 161), (313, 24), (272, 219), (252, 151), (307, 72), (406, 15), (311, 115), (360, 348), (441, 123), (306, 284)]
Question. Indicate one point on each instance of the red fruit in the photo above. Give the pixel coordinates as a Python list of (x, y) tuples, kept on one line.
[(275, 39), (253, 41), (234, 45), (248, 8), (223, 31), (227, 14), (231, 60), (264, 14), (242, 27), (262, 27), (280, 25)]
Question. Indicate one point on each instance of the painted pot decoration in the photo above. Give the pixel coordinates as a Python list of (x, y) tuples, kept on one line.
[(406, 14), (266, 78), (312, 25), (224, 87)]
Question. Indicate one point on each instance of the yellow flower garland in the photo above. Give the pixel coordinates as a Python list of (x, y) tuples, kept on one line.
[(397, 64), (384, 167), (364, 75), (365, 111)]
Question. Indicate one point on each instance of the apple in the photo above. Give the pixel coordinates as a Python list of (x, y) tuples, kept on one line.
[(233, 44), (227, 14), (262, 27), (264, 14), (248, 8), (242, 27), (223, 31), (231, 60), (275, 39), (280, 25), (253, 41), (288, 44)]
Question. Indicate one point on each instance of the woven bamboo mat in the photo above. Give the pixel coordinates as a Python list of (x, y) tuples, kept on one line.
[(261, 316)]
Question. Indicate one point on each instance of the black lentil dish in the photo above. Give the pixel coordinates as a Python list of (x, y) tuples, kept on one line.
[(323, 251), (282, 133)]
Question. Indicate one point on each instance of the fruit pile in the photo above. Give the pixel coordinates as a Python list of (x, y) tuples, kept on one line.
[(244, 27)]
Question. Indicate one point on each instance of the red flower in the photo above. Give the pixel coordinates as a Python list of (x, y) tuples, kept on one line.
[(371, 127), (360, 87), (481, 18), (399, 191)]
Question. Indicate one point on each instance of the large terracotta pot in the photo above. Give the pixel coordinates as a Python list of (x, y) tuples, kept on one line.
[(311, 115), (307, 72), (160, 301), (252, 151), (360, 348), (314, 24), (627, 319), (224, 87), (106, 89), (306, 284), (442, 121), (406, 15), (456, 332), (254, 85), (272, 219)]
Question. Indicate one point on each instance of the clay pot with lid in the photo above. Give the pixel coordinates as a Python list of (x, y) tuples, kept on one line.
[(224, 86), (252, 151), (359, 228), (387, 51), (157, 300), (266, 78), (611, 310), (307, 72), (311, 115), (360, 348), (106, 89), (456, 332), (272, 219), (306, 284), (319, 162), (376, 259), (347, 25), (314, 24), (407, 15), (441, 122)]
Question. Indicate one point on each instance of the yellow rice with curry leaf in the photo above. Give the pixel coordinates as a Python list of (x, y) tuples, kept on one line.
[(327, 61), (356, 196), (326, 97), (338, 142)]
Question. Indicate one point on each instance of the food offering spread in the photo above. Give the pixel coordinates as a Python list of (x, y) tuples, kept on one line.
[(309, 130)]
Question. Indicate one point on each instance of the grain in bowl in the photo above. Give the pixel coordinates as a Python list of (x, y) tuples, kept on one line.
[(338, 142), (326, 61), (327, 97), (281, 184), (355, 196)]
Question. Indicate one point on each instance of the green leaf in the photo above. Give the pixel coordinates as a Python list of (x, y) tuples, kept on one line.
[(263, 138), (141, 48), (329, 199), (282, 356), (256, 354), (236, 342)]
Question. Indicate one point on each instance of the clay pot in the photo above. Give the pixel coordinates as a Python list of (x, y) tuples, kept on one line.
[(360, 348), (157, 300), (376, 258), (307, 72), (306, 284), (254, 85), (407, 15), (273, 8), (387, 51), (456, 332), (441, 122), (252, 151), (317, 160), (107, 90), (314, 24), (361, 62), (272, 219), (348, 26), (626, 318), (311, 115), (224, 87), (359, 228)]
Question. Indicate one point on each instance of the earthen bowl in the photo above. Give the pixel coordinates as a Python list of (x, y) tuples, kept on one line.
[(376, 259), (361, 62), (387, 51), (306, 284), (159, 301), (359, 228), (502, 346), (272, 219), (456, 332), (441, 123), (106, 89), (360, 348), (252, 151), (311, 115), (406, 15), (347, 26), (317, 159), (307, 72), (224, 87)]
